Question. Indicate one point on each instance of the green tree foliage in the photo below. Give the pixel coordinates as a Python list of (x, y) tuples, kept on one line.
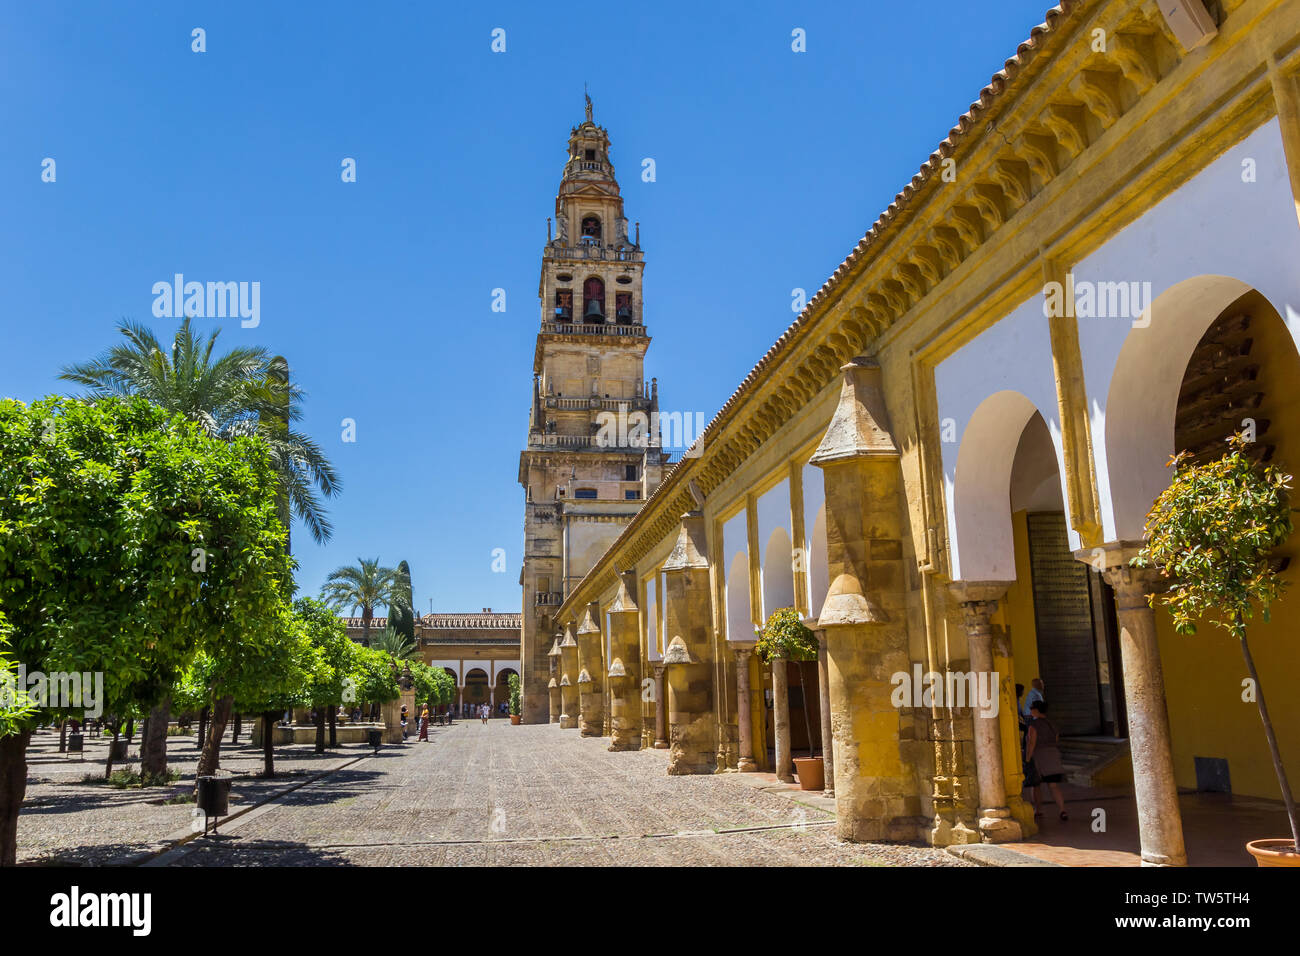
[(396, 645), (786, 636), (365, 585), (1212, 533), (375, 675), (129, 539), (15, 706), (243, 392), (516, 693)]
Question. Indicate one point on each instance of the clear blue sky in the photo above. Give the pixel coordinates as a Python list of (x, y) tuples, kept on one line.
[(225, 165)]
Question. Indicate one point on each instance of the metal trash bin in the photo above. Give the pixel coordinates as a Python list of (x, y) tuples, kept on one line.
[(214, 795), (76, 743), (213, 798), (375, 738)]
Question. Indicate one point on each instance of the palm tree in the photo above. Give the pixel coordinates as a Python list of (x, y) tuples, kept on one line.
[(246, 391), (366, 585), (396, 645)]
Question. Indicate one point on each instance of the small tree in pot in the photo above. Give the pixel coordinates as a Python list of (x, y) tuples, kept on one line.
[(1212, 532), (515, 697), (786, 638)]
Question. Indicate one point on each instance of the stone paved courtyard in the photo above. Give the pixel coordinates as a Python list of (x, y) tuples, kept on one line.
[(533, 796)]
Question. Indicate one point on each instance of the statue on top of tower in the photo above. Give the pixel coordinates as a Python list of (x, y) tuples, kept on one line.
[(587, 97)]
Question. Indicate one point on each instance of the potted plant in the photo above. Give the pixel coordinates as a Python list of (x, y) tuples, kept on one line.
[(786, 638), (1212, 532), (516, 695)]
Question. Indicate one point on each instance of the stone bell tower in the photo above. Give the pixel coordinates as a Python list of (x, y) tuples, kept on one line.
[(592, 457)]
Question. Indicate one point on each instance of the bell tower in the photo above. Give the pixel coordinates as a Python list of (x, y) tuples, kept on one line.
[(592, 455)]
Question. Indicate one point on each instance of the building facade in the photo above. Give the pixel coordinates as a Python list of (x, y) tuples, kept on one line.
[(592, 456), (946, 462), (480, 650)]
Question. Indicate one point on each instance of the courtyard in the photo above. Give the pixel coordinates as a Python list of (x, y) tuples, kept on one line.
[(474, 795)]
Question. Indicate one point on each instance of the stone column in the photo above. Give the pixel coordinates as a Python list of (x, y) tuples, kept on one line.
[(553, 688), (978, 602), (661, 708), (781, 720), (1160, 825), (744, 714), (591, 674), (625, 657), (688, 658), (824, 693), (877, 796), (568, 680)]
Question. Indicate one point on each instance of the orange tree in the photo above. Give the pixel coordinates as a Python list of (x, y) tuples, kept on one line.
[(1212, 533), (128, 540)]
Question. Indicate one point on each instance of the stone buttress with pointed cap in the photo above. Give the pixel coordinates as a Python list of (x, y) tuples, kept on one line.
[(688, 659), (625, 704), (877, 789)]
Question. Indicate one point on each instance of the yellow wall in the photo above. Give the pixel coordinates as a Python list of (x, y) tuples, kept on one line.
[(1016, 610), (1208, 718)]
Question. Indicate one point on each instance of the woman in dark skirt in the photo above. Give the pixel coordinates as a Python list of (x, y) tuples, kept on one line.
[(1043, 755)]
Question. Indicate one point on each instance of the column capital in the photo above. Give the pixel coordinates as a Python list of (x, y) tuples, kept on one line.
[(1131, 584), (742, 649), (978, 600)]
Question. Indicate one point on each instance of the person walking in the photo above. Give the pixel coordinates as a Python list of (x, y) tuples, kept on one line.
[(1043, 753), (483, 713), (424, 724)]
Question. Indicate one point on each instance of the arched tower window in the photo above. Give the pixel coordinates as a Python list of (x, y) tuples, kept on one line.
[(591, 228), (593, 301), (564, 305), (623, 307)]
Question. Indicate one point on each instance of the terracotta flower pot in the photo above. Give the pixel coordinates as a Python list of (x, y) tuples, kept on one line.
[(514, 718), (1274, 852), (812, 775)]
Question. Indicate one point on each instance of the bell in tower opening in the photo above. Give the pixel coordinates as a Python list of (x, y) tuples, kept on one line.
[(590, 228), (564, 305), (593, 301)]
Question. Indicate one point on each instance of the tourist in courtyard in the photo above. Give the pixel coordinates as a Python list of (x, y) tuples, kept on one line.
[(1043, 752), (424, 724)]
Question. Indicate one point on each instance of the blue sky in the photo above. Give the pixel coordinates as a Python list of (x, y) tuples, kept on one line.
[(225, 166)]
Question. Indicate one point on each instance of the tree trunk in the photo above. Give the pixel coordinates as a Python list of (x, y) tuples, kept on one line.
[(116, 727), (365, 626), (13, 787), (153, 742), (239, 725), (333, 716), (1273, 750), (320, 729), (63, 736), (268, 744), (130, 730), (807, 727), (203, 727), (210, 760)]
